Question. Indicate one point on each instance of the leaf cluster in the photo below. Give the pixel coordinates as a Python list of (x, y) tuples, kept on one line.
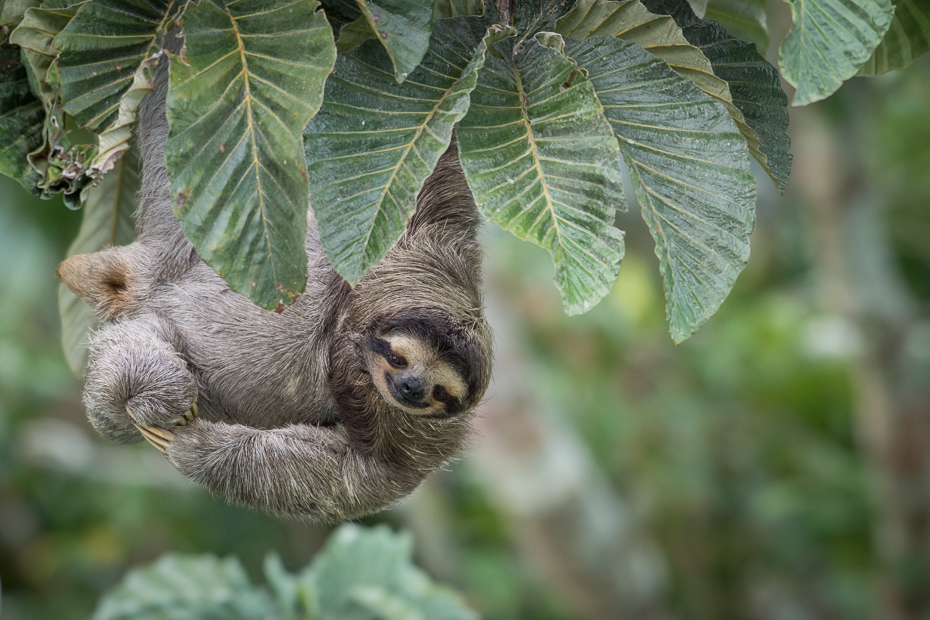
[(361, 574), (352, 102)]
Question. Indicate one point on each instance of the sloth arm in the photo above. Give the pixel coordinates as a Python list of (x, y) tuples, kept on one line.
[(301, 471)]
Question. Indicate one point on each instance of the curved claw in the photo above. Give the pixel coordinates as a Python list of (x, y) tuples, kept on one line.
[(188, 417), (157, 436)]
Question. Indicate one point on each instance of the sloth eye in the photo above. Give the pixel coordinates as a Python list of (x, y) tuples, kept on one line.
[(441, 394), (397, 361)]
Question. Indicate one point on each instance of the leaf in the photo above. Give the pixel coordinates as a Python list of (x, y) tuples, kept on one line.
[(690, 171), (251, 77), (190, 587), (374, 143), (357, 557), (680, 44), (661, 36), (744, 19), (57, 165), (21, 119), (754, 85), (533, 16), (12, 11), (543, 163), (907, 38), (457, 8), (698, 6), (403, 27), (107, 60), (828, 42), (107, 221), (367, 574)]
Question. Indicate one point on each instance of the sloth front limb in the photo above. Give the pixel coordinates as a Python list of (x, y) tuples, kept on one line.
[(135, 378), (302, 471)]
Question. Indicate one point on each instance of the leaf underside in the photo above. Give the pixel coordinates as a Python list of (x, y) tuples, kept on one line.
[(754, 85), (251, 77), (827, 43), (690, 170), (543, 164), (907, 39), (661, 36), (374, 142)]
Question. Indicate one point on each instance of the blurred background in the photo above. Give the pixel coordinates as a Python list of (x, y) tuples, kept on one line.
[(775, 466)]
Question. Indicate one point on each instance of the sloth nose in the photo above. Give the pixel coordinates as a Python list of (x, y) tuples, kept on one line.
[(412, 388)]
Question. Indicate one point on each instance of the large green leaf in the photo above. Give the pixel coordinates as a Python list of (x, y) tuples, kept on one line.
[(251, 77), (403, 27), (108, 54), (189, 587), (828, 42), (744, 19), (661, 36), (107, 221), (542, 162), (754, 85), (690, 170), (22, 118), (907, 38), (375, 142)]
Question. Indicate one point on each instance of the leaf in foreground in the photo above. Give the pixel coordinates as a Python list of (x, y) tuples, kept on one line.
[(195, 587), (368, 573), (827, 43), (690, 170), (907, 39), (107, 221), (251, 77), (542, 162), (375, 142)]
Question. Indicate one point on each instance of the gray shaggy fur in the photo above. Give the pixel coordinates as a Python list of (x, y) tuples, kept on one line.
[(290, 421)]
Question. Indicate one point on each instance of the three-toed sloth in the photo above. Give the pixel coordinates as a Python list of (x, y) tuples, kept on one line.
[(336, 407)]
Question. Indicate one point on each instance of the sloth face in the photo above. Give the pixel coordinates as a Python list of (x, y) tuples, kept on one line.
[(412, 374)]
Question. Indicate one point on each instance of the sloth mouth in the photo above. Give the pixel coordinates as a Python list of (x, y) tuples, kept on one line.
[(406, 402)]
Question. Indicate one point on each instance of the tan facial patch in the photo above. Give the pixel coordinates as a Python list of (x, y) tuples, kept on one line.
[(416, 358)]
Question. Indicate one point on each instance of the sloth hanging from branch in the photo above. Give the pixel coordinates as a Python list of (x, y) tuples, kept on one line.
[(334, 408)]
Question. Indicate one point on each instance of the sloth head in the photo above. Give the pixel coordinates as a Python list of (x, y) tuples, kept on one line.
[(425, 366)]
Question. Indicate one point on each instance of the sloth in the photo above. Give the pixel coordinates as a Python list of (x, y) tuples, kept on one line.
[(334, 408)]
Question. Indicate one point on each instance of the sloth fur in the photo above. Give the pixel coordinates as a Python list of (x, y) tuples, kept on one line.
[(290, 419)]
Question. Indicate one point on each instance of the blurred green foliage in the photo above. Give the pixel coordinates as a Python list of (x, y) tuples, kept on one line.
[(736, 450)]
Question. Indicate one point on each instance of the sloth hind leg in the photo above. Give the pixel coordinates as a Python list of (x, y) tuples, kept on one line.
[(135, 377)]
